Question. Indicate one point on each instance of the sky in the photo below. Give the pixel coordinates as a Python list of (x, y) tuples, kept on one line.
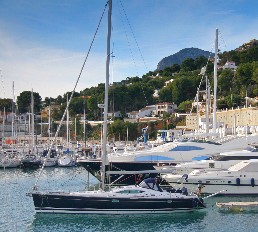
[(43, 43)]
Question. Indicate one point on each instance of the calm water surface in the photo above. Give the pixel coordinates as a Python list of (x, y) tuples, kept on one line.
[(17, 210)]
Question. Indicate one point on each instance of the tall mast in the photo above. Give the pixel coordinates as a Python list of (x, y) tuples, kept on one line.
[(49, 123), (3, 135), (32, 120), (215, 84), (197, 111), (13, 114), (84, 125), (67, 123), (104, 150), (207, 111)]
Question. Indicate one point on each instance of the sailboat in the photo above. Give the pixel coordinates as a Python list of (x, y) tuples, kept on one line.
[(147, 197), (31, 159)]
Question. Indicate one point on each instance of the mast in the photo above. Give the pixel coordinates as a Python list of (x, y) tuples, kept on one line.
[(32, 120), (49, 123), (207, 111), (104, 148), (3, 135), (197, 111), (13, 115), (67, 123), (84, 125), (215, 84)]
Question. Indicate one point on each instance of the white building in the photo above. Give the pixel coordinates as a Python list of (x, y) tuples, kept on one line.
[(156, 93), (116, 114), (168, 82), (165, 107), (230, 64), (144, 112)]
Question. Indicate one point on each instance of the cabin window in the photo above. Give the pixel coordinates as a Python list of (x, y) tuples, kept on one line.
[(211, 165), (229, 182), (127, 191), (136, 191), (199, 181), (207, 182), (124, 192)]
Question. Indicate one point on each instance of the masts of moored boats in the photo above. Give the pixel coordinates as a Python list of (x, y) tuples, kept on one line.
[(215, 85)]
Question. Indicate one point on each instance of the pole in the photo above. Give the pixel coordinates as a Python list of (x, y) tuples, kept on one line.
[(207, 107), (106, 97), (32, 121), (67, 124), (197, 110), (84, 124), (215, 84)]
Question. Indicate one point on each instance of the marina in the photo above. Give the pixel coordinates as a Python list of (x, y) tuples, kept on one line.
[(199, 176), (17, 211)]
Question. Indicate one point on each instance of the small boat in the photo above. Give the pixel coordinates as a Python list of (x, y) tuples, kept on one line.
[(9, 161), (50, 161), (31, 161), (237, 206), (66, 161)]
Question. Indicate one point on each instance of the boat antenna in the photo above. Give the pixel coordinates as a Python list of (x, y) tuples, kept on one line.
[(68, 103)]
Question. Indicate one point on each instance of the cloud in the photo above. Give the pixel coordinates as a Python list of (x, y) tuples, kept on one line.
[(49, 71)]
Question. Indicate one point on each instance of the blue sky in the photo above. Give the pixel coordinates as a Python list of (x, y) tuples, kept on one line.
[(43, 43)]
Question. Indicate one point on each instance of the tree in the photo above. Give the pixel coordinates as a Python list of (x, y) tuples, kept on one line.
[(49, 100), (185, 106), (165, 94), (200, 61), (225, 81), (6, 104), (175, 68), (188, 65), (24, 102), (76, 106)]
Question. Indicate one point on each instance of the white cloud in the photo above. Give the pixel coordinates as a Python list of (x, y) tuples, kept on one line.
[(50, 72)]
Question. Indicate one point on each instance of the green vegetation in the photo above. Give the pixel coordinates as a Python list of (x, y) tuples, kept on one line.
[(134, 93)]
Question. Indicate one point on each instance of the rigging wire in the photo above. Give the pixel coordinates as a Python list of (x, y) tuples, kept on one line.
[(112, 81), (223, 41), (201, 81), (137, 44), (64, 114)]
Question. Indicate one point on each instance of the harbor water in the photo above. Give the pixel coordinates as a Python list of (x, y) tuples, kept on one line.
[(17, 210)]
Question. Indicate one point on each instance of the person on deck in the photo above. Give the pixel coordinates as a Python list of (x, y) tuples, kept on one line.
[(152, 183)]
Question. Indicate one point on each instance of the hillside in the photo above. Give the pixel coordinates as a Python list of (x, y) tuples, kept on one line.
[(180, 56)]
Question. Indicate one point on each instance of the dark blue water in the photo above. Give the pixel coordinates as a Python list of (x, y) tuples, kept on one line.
[(17, 210)]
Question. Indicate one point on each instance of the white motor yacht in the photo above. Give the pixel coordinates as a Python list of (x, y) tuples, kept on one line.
[(221, 161), (240, 179), (171, 153)]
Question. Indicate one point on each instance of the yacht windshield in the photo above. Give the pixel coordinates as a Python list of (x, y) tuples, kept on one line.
[(151, 183)]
